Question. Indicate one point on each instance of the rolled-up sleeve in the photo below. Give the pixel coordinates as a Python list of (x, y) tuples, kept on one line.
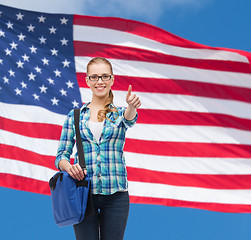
[(128, 123), (67, 141)]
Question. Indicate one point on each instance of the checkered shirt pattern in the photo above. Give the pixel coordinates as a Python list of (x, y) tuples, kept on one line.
[(104, 159)]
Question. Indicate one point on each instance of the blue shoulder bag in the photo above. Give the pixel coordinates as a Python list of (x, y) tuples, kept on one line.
[(71, 199)]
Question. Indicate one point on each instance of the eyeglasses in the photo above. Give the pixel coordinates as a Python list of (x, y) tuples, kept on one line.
[(104, 77)]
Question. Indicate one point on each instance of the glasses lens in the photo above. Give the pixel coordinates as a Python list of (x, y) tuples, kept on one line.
[(93, 77), (106, 77)]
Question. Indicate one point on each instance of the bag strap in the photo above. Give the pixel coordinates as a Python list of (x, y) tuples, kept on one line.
[(81, 156)]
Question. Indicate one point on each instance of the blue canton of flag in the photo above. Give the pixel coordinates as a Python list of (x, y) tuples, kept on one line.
[(37, 60)]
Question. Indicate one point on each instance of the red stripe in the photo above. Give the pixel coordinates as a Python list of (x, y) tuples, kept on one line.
[(180, 87), (169, 117), (24, 184), (231, 208), (90, 49), (183, 149), (135, 27), (211, 181), (147, 31), (30, 129), (16, 153)]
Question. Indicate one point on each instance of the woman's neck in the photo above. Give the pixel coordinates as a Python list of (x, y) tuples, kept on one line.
[(97, 102)]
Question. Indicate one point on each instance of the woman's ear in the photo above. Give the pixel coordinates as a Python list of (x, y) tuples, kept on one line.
[(112, 80), (87, 81)]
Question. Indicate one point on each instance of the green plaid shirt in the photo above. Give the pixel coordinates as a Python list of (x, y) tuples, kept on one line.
[(104, 159)]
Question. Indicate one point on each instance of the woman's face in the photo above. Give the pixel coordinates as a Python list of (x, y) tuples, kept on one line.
[(100, 88)]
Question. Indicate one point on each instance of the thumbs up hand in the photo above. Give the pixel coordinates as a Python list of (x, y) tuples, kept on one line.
[(132, 100), (133, 103)]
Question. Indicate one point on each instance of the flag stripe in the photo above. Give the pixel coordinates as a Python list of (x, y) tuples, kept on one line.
[(172, 86), (157, 70), (48, 147), (24, 183), (161, 163), (195, 194), (177, 164), (145, 40), (20, 154), (173, 102), (230, 208), (91, 49), (36, 130), (188, 149), (191, 180), (192, 118)]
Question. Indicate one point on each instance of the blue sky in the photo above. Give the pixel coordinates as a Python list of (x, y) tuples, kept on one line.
[(218, 23)]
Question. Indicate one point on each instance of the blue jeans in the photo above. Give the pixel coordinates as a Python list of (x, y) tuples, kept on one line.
[(109, 219)]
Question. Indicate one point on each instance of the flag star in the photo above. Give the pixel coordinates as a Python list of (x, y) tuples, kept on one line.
[(19, 16), (2, 34), (33, 49), (20, 64), (64, 41), (66, 63), (38, 69), (52, 30), (12, 74), (9, 25), (21, 37), (36, 97), (30, 28), (63, 92), (54, 101), (43, 89), (70, 84), (25, 57), (31, 76), (42, 18), (54, 52), (45, 61), (51, 81), (42, 40), (5, 79), (1, 14), (57, 73), (13, 45), (1, 61), (64, 20), (24, 85), (8, 52), (75, 104), (18, 91)]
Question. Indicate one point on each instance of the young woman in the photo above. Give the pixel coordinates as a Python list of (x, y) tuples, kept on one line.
[(103, 128)]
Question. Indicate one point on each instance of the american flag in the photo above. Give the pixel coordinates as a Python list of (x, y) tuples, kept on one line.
[(191, 146)]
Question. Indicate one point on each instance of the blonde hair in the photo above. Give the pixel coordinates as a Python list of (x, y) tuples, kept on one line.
[(102, 113)]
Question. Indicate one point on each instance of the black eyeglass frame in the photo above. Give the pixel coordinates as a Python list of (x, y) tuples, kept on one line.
[(100, 77)]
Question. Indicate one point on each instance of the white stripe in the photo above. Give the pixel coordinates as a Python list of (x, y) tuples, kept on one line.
[(26, 113), (179, 133), (158, 70), (190, 165), (24, 169), (37, 145), (161, 101), (137, 188), (120, 38), (189, 193)]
